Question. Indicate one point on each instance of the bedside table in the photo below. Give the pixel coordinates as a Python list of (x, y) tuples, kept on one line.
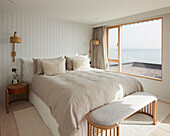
[(19, 88)]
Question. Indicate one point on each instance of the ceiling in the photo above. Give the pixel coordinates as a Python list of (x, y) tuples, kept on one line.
[(83, 11)]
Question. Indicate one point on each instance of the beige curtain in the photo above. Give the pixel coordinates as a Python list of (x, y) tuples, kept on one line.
[(99, 52)]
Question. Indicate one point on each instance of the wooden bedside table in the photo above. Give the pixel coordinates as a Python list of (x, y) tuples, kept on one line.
[(19, 88)]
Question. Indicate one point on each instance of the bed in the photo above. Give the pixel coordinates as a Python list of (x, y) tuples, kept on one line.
[(64, 100)]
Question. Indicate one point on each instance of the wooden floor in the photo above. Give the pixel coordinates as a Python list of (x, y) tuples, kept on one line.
[(8, 124), (7, 121)]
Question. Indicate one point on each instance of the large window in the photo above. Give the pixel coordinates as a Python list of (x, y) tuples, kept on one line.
[(136, 48)]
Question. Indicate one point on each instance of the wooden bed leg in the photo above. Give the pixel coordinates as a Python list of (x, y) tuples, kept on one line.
[(118, 131), (97, 132), (88, 129), (154, 112)]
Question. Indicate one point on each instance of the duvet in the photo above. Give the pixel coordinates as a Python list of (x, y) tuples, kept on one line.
[(70, 96)]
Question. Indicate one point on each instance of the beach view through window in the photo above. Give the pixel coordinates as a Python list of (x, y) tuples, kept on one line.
[(141, 48)]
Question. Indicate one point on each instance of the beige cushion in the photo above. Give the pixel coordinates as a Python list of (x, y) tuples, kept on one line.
[(38, 68), (53, 67), (81, 64), (69, 61)]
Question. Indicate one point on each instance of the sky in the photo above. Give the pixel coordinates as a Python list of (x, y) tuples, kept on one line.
[(144, 35)]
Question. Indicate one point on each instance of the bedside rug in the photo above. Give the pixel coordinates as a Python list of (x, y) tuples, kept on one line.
[(30, 123)]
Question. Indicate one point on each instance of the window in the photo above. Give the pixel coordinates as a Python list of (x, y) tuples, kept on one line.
[(136, 48)]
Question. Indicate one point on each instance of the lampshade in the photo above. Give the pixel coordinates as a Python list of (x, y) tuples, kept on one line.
[(15, 39), (92, 42), (95, 42)]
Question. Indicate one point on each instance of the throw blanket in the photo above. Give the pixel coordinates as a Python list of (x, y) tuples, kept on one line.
[(72, 95)]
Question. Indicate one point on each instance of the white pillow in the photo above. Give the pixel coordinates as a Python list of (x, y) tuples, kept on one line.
[(82, 56), (28, 69), (53, 67), (81, 64)]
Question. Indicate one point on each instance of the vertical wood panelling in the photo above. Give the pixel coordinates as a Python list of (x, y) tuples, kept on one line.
[(5, 49), (41, 37)]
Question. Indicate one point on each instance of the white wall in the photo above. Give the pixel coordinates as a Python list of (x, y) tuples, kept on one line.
[(160, 89), (41, 37)]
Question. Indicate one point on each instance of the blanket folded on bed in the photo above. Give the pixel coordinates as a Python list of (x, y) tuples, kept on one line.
[(72, 95)]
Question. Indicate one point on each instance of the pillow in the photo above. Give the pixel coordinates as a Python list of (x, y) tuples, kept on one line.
[(81, 64), (38, 68), (28, 69), (53, 67), (69, 61), (82, 56)]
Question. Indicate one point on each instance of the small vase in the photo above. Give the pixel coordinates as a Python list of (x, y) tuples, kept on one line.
[(15, 81)]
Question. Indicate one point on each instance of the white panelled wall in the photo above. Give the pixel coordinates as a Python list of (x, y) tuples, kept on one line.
[(41, 37)]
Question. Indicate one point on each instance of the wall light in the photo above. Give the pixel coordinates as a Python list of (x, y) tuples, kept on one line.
[(93, 42), (14, 39)]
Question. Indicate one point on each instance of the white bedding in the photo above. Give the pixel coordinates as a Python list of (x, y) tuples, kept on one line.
[(49, 120), (72, 95)]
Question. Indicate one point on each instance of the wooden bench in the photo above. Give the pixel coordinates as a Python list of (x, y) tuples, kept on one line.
[(105, 121)]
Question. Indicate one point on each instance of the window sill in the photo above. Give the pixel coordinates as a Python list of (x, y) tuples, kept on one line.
[(151, 78)]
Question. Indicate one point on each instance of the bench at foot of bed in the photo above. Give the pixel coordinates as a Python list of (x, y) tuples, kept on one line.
[(105, 121)]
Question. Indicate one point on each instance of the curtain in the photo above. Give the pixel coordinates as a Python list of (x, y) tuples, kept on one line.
[(99, 52)]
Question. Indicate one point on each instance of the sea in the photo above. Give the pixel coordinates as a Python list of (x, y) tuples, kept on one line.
[(137, 55)]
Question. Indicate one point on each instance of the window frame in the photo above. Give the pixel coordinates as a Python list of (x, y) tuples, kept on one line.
[(119, 48)]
